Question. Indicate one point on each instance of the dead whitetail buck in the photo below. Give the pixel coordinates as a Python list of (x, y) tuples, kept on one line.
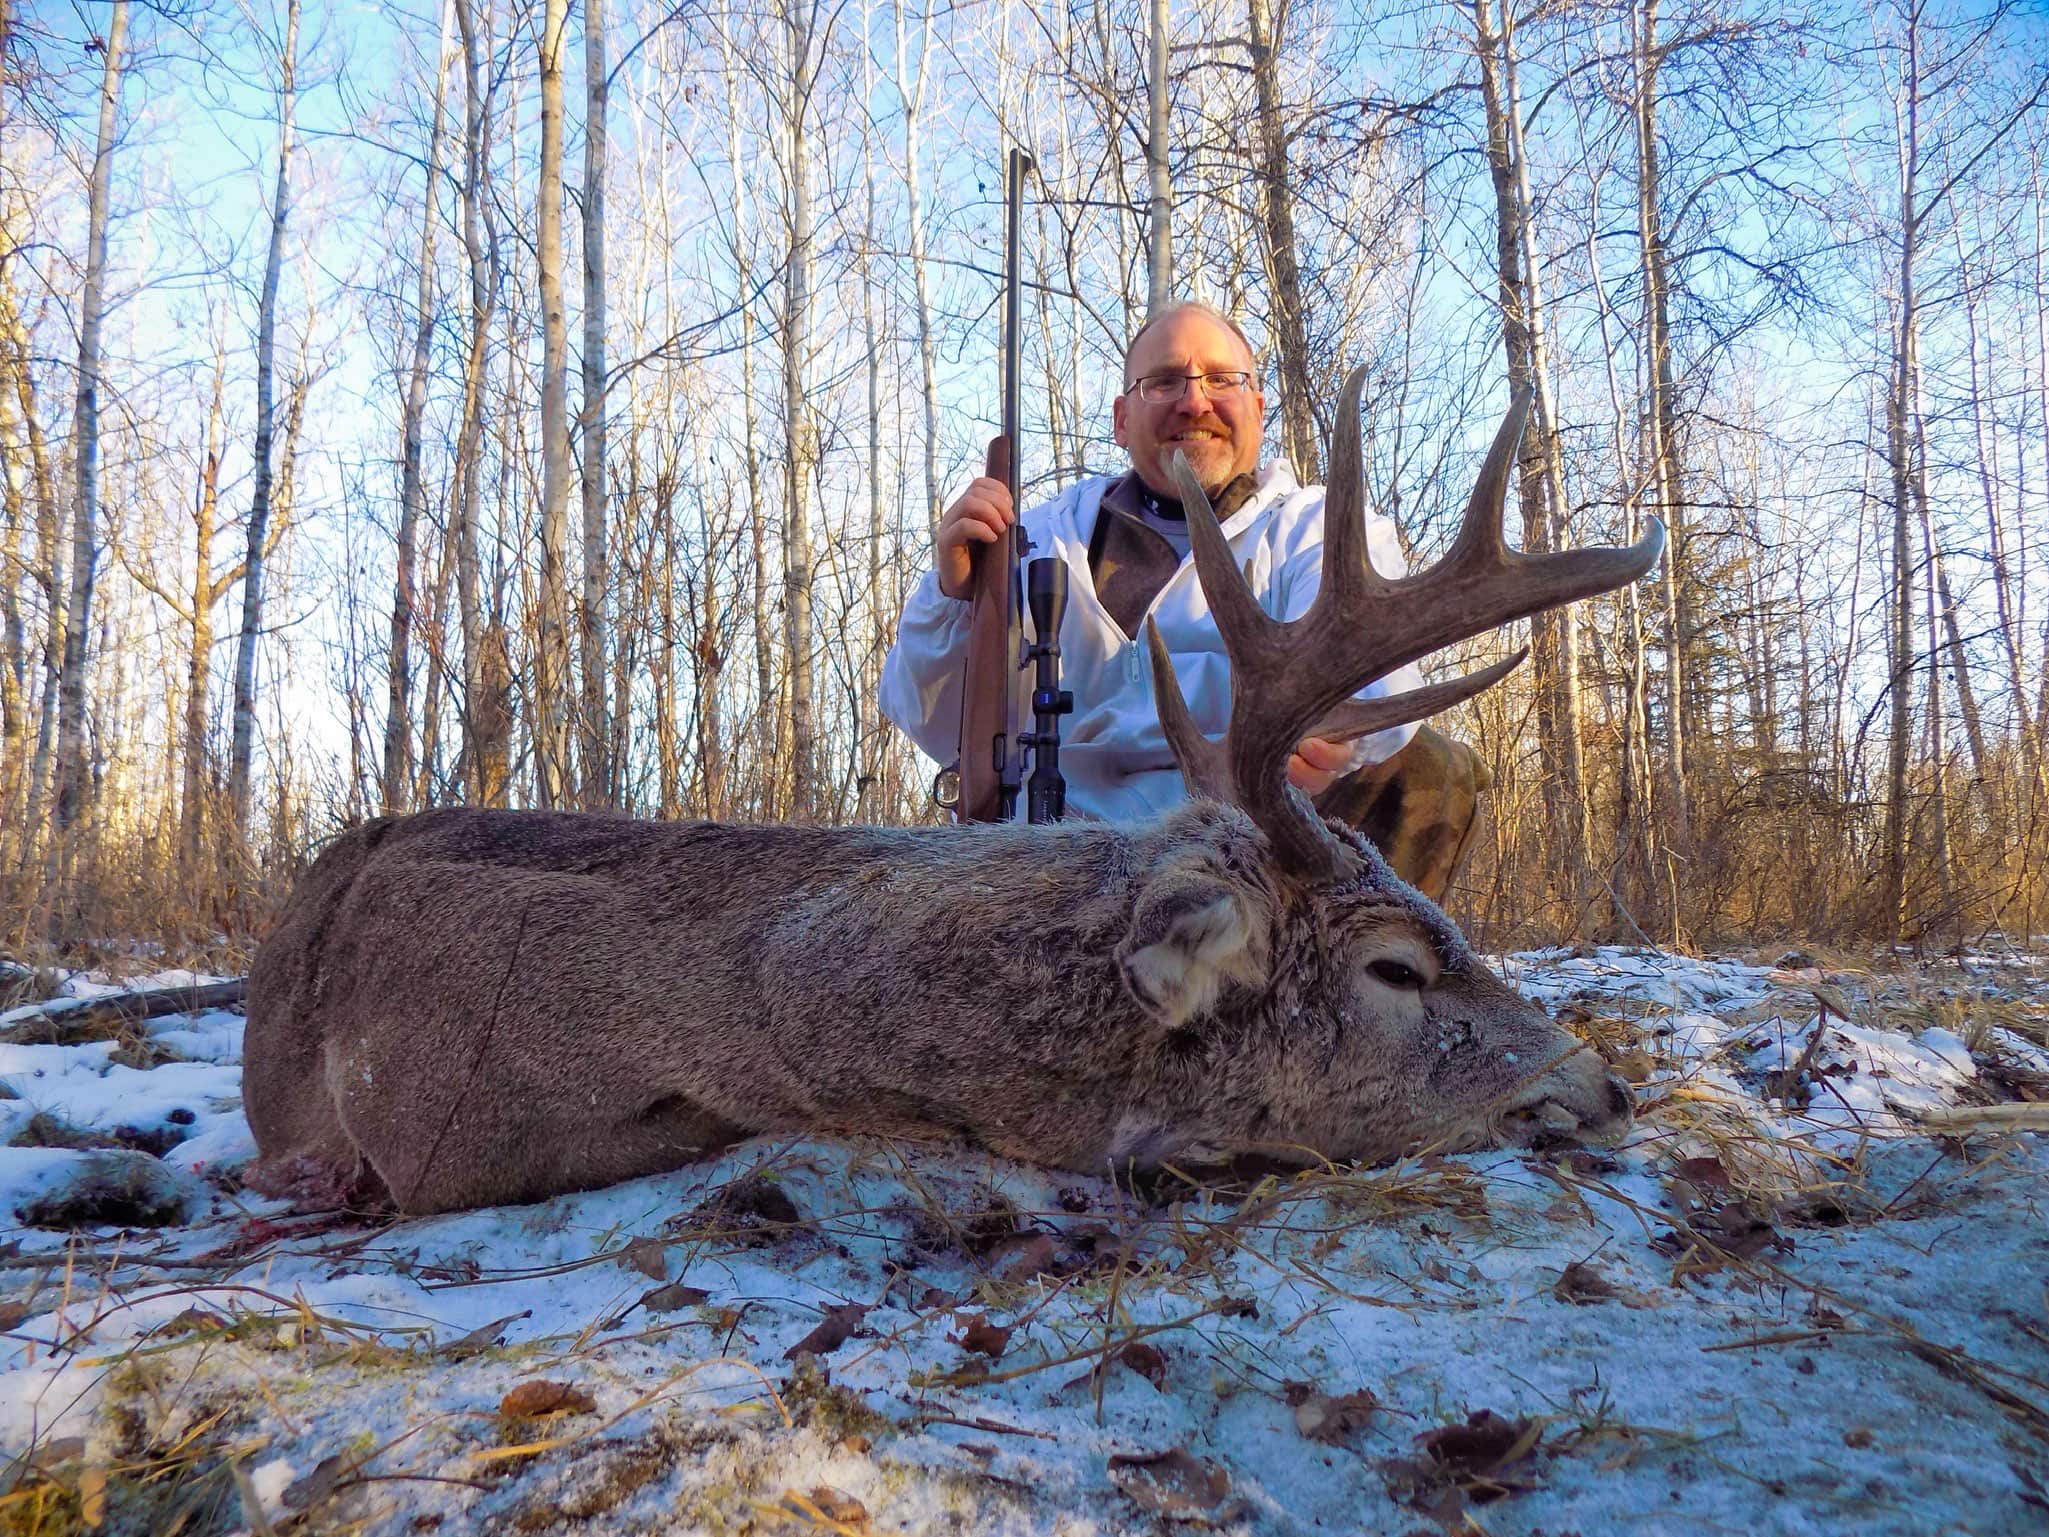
[(467, 1007)]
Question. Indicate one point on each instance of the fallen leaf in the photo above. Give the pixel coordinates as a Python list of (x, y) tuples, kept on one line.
[(481, 1339), (1858, 1438), (1734, 1230), (1144, 1359), (1172, 1483), (983, 1338), (13, 1314), (650, 1256), (92, 1495), (50, 1454), (1582, 1284), (1702, 1177), (1637, 1066), (1020, 1256), (1321, 1417), (674, 1296), (304, 1493), (833, 1331), (935, 1297), (836, 1505), (531, 1400)]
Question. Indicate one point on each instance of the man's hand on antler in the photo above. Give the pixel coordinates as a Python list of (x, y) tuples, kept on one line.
[(1315, 764), (980, 516)]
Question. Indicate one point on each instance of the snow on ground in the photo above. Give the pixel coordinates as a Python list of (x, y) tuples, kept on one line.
[(1785, 1307)]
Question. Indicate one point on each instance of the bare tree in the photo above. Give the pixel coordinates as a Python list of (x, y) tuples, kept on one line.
[(1159, 258), (600, 783), (85, 426), (398, 765), (551, 645), (243, 744), (803, 44)]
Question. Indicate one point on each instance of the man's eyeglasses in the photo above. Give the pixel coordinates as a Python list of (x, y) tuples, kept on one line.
[(1158, 389)]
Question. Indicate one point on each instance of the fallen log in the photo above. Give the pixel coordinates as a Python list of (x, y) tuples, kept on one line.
[(62, 1021)]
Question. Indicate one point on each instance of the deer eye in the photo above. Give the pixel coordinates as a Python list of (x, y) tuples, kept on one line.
[(1395, 974)]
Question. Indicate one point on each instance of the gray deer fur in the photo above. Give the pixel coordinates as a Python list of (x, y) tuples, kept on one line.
[(468, 1007)]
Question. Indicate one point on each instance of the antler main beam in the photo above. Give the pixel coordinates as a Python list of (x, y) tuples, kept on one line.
[(1288, 676)]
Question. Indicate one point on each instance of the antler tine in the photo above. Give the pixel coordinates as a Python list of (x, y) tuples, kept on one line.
[(1237, 611), (1479, 541), (1350, 719), (1204, 768), (1348, 574)]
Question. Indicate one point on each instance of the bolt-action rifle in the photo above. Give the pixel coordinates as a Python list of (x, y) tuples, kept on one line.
[(993, 740)]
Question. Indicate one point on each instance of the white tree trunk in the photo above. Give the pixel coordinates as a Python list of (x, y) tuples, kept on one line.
[(600, 780), (85, 427), (551, 708), (412, 496)]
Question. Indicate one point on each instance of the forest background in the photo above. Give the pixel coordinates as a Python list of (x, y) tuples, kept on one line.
[(528, 404)]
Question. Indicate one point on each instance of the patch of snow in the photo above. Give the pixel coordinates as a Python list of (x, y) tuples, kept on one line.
[(1844, 1377)]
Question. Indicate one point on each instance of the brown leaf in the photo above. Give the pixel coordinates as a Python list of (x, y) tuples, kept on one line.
[(982, 1337), (1703, 1174), (531, 1400), (650, 1256), (936, 1297), (1172, 1483), (1736, 1231), (482, 1339), (1321, 1417), (1144, 1359), (191, 1320), (1021, 1256), (1637, 1066), (833, 1331), (674, 1296), (316, 1486), (1581, 1283), (838, 1505), (13, 1314)]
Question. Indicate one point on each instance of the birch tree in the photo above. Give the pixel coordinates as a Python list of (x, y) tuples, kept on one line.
[(398, 763), (243, 745), (600, 785), (85, 427), (551, 642)]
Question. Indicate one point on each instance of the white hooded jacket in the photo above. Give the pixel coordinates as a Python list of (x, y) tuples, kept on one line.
[(1113, 753)]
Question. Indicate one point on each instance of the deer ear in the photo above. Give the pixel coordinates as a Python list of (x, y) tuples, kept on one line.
[(1190, 934)]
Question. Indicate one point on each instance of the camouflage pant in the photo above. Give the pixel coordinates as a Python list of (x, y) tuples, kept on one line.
[(1420, 808)]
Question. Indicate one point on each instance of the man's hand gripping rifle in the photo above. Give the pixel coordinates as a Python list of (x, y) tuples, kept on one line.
[(992, 739)]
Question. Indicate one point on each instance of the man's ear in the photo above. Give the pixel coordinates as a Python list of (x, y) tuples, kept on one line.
[(1190, 934), (1117, 421)]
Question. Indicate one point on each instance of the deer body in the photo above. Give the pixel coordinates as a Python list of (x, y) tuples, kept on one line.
[(468, 1007)]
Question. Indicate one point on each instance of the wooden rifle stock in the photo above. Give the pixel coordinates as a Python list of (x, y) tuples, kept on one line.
[(991, 717), (988, 727)]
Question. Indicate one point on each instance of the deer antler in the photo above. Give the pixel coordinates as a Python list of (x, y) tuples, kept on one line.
[(1288, 676)]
